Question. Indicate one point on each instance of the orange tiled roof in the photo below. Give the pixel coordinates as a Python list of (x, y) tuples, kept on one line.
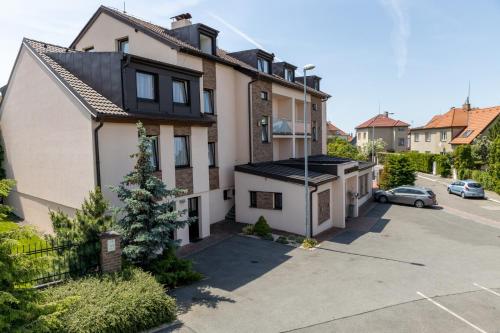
[(456, 117), (479, 120), (332, 128), (381, 120)]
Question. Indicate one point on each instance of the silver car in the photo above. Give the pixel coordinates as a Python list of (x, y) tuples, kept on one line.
[(410, 195), (466, 189)]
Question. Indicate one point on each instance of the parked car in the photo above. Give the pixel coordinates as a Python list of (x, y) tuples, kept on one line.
[(466, 189), (410, 195)]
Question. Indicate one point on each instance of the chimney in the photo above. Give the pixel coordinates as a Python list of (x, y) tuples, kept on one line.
[(386, 114), (182, 20)]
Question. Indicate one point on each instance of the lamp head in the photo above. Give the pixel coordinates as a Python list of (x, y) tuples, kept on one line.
[(309, 67)]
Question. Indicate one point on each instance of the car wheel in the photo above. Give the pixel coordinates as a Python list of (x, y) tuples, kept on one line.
[(449, 191), (383, 199), (419, 204), (462, 195)]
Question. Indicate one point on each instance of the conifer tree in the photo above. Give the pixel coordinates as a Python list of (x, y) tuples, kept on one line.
[(148, 217)]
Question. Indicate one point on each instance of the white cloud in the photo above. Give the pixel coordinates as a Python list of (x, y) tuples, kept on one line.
[(400, 33)]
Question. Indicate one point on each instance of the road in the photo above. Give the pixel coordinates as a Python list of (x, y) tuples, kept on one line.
[(399, 269)]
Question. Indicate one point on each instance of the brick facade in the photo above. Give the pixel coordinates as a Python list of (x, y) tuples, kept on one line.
[(260, 108), (317, 117), (111, 252), (265, 200), (210, 82), (182, 130), (213, 178), (184, 179), (323, 206), (152, 129)]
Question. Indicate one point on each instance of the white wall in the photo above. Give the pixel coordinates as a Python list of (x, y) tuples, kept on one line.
[(48, 142), (368, 196)]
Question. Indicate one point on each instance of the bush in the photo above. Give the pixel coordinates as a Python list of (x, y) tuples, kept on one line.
[(130, 301), (261, 228), (487, 180), (398, 170), (172, 271), (465, 173), (268, 237), (443, 165), (309, 243), (463, 157), (422, 161), (338, 147), (282, 240), (248, 229)]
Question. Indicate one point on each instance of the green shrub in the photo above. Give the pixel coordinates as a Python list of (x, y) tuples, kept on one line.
[(487, 179), (130, 301), (296, 238), (398, 170), (443, 165), (465, 173), (268, 237), (463, 157), (172, 271), (261, 228), (309, 243), (248, 229), (282, 240), (422, 161)]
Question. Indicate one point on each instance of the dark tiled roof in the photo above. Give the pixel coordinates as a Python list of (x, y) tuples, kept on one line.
[(284, 173), (87, 95)]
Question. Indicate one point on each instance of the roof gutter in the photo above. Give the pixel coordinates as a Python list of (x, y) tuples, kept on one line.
[(311, 211), (96, 152)]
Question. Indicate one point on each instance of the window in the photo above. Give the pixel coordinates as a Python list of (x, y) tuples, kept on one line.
[(253, 199), (208, 100), (444, 135), (364, 135), (467, 133), (145, 86), (153, 150), (359, 135), (289, 75), (227, 194), (180, 91), (316, 84), (263, 65), (416, 137), (401, 129), (123, 45), (181, 151), (427, 136), (206, 44), (363, 185), (315, 107), (88, 49), (401, 142), (263, 95), (264, 129), (278, 201), (314, 131), (211, 154)]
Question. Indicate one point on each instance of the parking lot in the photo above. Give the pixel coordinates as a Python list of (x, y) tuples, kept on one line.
[(397, 269)]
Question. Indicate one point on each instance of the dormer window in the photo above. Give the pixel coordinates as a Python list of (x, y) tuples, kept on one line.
[(263, 65), (316, 84), (289, 75), (122, 45), (206, 44)]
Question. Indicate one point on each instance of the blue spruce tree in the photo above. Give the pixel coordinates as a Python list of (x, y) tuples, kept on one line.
[(148, 218)]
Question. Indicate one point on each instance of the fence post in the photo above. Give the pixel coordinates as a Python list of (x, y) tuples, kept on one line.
[(111, 252)]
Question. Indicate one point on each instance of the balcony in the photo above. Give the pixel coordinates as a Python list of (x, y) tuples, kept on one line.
[(283, 126)]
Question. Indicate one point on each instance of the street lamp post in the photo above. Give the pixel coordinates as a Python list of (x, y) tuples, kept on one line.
[(306, 152)]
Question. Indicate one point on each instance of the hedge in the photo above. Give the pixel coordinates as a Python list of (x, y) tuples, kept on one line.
[(129, 301), (422, 161), (443, 165), (485, 178)]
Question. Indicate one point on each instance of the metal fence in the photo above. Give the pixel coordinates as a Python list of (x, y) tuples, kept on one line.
[(61, 260)]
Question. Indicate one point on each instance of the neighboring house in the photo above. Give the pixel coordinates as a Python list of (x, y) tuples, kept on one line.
[(68, 121), (457, 126), (393, 132), (335, 132)]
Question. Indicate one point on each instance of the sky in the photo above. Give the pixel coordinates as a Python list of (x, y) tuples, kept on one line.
[(413, 58)]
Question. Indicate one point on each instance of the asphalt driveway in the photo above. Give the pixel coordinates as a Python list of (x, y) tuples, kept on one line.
[(373, 279)]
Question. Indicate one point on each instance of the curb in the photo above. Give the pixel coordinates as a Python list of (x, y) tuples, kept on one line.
[(160, 328)]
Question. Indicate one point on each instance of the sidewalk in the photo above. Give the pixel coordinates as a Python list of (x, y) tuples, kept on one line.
[(490, 195)]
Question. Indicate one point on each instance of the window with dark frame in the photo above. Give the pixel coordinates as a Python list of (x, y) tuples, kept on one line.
[(315, 107), (289, 75), (181, 146), (263, 95), (211, 154), (227, 194), (316, 84), (263, 65), (123, 45), (208, 101), (180, 91), (206, 44), (314, 131), (401, 142), (278, 201), (253, 199), (264, 129), (146, 86), (154, 151)]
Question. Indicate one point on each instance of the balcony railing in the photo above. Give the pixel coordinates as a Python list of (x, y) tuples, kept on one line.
[(282, 126)]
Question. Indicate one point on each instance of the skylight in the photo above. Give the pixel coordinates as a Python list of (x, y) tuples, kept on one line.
[(467, 133)]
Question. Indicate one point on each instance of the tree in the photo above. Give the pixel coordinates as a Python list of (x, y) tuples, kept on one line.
[(372, 147), (463, 157), (5, 186), (398, 170), (494, 131), (89, 221), (480, 149), (338, 147), (149, 216)]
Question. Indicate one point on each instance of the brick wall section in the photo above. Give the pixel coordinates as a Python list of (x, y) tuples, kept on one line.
[(316, 116), (184, 179), (152, 129), (213, 178), (111, 261), (265, 200), (209, 77), (182, 130), (323, 206), (261, 151)]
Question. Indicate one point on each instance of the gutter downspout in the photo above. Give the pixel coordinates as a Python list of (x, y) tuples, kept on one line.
[(96, 152), (250, 142), (311, 211)]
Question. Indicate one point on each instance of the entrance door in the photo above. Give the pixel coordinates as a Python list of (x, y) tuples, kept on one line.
[(193, 211)]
